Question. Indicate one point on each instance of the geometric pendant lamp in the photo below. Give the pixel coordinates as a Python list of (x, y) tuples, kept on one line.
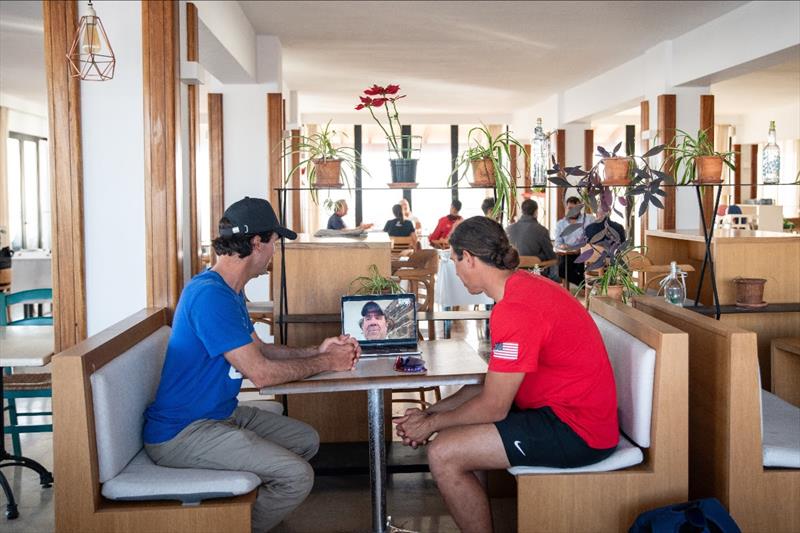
[(90, 56)]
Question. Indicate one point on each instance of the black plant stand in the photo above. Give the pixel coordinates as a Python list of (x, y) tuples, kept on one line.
[(708, 234)]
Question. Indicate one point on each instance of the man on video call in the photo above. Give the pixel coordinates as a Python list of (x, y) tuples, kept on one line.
[(374, 324)]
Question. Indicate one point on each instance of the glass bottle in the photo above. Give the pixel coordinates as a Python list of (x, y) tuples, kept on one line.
[(771, 158), (674, 285), (540, 155)]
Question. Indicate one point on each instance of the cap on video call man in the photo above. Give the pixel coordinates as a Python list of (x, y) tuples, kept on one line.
[(374, 324), (196, 420)]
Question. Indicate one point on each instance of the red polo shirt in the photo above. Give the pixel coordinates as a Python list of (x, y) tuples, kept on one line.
[(540, 329)]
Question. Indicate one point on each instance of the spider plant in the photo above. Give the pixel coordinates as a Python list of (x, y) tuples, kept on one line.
[(689, 150), (485, 155), (323, 164), (374, 283)]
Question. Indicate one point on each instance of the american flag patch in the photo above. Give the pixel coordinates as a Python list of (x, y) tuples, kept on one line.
[(506, 350)]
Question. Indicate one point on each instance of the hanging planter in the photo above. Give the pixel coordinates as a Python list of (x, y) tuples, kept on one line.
[(616, 171)]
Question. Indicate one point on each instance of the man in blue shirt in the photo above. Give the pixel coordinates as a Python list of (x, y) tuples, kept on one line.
[(195, 420), (336, 220), (572, 242)]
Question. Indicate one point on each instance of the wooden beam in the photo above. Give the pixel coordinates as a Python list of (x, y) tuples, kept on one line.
[(193, 54), (527, 177), (216, 167), (666, 133), (737, 174), (66, 176), (644, 121), (588, 148), (561, 159), (297, 220), (160, 80), (707, 124), (753, 171), (274, 145)]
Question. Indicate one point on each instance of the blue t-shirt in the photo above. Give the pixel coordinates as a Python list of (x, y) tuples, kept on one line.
[(197, 382), (335, 222)]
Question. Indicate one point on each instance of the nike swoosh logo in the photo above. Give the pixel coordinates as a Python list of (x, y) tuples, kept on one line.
[(516, 443)]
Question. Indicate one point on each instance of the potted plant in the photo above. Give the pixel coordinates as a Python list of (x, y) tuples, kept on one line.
[(617, 170), (696, 160), (485, 156), (609, 255), (374, 283), (643, 183), (403, 149), (323, 164)]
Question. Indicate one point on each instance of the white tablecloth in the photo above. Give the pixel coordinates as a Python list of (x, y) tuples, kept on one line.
[(30, 269), (450, 290)]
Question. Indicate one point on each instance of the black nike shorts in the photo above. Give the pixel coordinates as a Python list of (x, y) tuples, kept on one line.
[(537, 437)]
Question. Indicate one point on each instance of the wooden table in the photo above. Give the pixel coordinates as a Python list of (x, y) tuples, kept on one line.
[(564, 252), (449, 362), (22, 346)]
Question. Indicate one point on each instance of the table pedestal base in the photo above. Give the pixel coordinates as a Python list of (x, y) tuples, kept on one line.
[(377, 453)]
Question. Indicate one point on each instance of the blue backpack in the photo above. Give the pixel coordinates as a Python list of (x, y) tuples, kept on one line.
[(697, 516)]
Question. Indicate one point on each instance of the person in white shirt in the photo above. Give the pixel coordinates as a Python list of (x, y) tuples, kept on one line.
[(408, 215), (567, 267)]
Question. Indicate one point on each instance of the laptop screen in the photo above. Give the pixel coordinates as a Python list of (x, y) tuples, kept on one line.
[(380, 319)]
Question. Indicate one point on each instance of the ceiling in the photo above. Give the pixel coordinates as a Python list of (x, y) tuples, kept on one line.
[(462, 57), (22, 74), (773, 87)]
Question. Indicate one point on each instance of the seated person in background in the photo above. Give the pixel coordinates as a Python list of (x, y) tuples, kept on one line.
[(408, 215), (548, 398), (398, 226), (374, 325), (446, 223), (487, 206), (194, 421), (604, 221), (336, 220), (531, 238), (567, 267)]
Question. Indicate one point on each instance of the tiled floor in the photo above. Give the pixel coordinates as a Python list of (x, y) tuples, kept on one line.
[(337, 503)]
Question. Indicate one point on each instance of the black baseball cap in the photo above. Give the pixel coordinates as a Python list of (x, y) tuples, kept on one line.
[(252, 216), (371, 307)]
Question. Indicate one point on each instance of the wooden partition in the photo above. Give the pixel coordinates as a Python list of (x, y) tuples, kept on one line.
[(79, 506), (725, 448), (318, 274)]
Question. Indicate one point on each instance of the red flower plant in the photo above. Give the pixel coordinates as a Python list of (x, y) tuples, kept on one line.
[(387, 96)]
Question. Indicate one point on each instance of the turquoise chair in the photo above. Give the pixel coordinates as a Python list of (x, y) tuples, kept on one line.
[(16, 386)]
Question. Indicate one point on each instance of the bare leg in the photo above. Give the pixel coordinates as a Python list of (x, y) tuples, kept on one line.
[(456, 456)]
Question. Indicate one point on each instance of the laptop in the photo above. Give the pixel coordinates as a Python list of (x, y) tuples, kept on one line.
[(383, 324)]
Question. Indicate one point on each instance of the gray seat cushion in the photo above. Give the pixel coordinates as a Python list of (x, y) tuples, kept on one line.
[(142, 479), (781, 432), (624, 456)]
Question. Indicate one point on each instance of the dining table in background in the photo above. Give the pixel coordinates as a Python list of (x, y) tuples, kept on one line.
[(564, 252), (450, 290), (448, 362), (22, 346)]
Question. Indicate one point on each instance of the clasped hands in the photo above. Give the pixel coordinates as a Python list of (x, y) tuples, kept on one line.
[(343, 350), (415, 427)]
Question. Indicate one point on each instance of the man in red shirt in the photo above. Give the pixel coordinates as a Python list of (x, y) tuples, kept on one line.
[(446, 223), (548, 399)]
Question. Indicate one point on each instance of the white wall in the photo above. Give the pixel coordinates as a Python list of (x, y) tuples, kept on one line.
[(29, 124), (752, 127), (229, 25), (113, 175)]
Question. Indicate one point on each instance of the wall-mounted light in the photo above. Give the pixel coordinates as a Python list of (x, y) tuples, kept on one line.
[(91, 56)]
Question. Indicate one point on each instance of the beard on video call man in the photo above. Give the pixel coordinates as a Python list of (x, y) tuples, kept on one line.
[(374, 324)]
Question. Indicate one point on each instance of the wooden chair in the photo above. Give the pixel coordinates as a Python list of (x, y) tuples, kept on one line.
[(728, 456), (649, 274), (403, 246), (420, 271), (560, 500), (25, 385), (529, 262)]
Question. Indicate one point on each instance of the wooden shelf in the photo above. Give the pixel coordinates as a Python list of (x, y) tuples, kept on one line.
[(732, 309)]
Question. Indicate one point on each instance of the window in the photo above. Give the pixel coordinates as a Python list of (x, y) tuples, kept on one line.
[(28, 192)]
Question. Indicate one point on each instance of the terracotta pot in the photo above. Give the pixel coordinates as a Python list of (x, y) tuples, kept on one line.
[(482, 173), (709, 169), (616, 171), (327, 172), (750, 292), (5, 276), (615, 292)]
